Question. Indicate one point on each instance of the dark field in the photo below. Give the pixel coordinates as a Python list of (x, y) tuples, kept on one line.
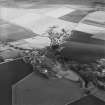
[(83, 48), (83, 53), (89, 100), (75, 16), (10, 73), (34, 90)]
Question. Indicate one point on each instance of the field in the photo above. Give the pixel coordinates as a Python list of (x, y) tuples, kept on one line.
[(39, 91), (18, 23), (83, 2), (26, 19), (10, 32)]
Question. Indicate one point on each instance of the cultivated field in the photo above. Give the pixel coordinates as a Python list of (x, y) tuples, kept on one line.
[(10, 32)]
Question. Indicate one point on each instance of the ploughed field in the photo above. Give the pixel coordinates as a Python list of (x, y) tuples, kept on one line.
[(34, 90), (84, 48)]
